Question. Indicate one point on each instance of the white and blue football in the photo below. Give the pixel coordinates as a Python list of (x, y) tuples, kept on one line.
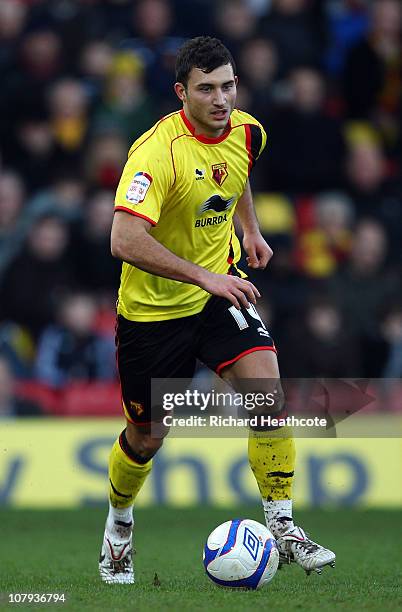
[(241, 554)]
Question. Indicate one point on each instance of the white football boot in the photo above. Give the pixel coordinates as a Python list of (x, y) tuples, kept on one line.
[(116, 556), (295, 546)]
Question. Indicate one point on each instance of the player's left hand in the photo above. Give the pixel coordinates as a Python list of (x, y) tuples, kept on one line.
[(258, 251)]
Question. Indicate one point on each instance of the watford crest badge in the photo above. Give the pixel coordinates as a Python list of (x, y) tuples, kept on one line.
[(220, 172)]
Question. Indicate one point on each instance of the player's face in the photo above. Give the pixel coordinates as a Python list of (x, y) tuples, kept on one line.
[(209, 99)]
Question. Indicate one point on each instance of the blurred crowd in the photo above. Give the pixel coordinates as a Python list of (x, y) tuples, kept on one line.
[(81, 80)]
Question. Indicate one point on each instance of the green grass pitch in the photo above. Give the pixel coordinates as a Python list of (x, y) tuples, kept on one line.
[(57, 551)]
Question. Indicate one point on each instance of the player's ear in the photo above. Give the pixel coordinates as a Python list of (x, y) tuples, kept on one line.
[(180, 91), (236, 80)]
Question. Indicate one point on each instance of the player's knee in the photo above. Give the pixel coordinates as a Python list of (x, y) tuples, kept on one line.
[(278, 401), (269, 400), (149, 446), (145, 444), (273, 408)]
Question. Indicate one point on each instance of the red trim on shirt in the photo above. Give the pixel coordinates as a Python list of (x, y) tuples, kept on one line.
[(248, 147), (132, 212), (153, 132), (251, 350), (205, 139)]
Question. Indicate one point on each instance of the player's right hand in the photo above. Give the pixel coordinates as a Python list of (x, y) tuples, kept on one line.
[(239, 291)]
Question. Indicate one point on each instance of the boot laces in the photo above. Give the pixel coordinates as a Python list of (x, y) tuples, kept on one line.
[(308, 546), (124, 564)]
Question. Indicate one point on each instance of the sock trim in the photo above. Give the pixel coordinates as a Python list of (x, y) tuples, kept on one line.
[(116, 492), (128, 451), (282, 474), (123, 524)]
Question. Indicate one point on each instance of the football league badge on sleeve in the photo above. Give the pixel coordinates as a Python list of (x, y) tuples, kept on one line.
[(138, 187), (219, 172)]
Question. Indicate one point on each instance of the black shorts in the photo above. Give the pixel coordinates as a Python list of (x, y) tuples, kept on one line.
[(218, 336)]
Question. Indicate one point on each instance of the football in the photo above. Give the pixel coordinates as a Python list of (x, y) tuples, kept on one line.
[(241, 554)]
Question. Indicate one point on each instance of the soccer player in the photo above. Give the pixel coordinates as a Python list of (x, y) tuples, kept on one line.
[(182, 296)]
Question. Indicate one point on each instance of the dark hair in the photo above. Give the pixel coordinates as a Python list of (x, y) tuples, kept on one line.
[(202, 52)]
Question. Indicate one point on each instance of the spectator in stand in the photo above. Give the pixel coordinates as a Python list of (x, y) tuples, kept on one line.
[(348, 22), (37, 63), (69, 118), (365, 283), (235, 23), (10, 404), (40, 272), (12, 195), (296, 28), (125, 105), (105, 157), (33, 151), (258, 63), (391, 329), (152, 23), (70, 351), (94, 65), (96, 269), (325, 244), (373, 71), (40, 62), (330, 352), (383, 354), (373, 192), (307, 145), (63, 198), (13, 17), (75, 23)]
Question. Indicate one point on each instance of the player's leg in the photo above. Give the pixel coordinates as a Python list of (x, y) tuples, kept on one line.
[(271, 452), (128, 470), (272, 460), (144, 351), (237, 345), (130, 463)]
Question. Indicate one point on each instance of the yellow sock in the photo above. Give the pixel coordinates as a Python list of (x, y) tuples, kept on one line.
[(272, 460), (126, 477)]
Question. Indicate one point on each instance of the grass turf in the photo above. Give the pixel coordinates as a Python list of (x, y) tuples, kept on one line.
[(56, 551)]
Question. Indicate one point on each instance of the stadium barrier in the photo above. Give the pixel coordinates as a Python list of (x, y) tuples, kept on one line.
[(63, 463), (97, 399)]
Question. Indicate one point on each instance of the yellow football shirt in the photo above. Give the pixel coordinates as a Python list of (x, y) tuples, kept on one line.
[(187, 187)]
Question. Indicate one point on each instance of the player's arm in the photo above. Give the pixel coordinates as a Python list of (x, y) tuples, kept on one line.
[(258, 251), (132, 243)]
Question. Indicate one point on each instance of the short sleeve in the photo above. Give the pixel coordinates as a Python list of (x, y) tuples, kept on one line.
[(145, 181)]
